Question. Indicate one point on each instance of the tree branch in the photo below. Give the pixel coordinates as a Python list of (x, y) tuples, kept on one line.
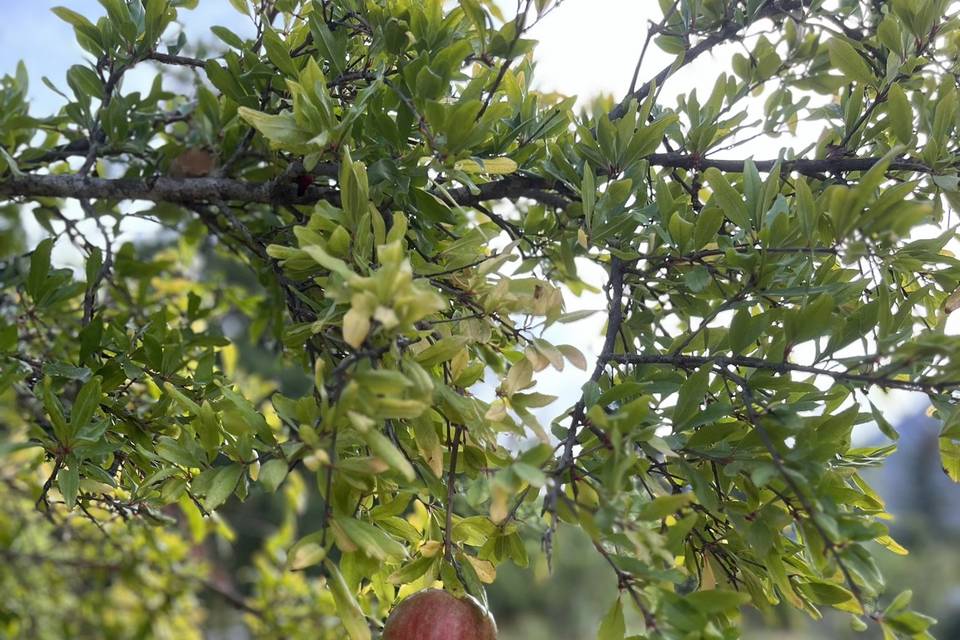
[(614, 321), (166, 189), (181, 61), (805, 166), (451, 492), (213, 189), (924, 385), (160, 189)]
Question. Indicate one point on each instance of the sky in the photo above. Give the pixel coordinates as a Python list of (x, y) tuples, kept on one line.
[(586, 47)]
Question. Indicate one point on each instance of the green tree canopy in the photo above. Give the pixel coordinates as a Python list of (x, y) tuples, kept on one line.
[(370, 218)]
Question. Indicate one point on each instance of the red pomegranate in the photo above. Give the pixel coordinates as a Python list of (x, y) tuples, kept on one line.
[(434, 614)]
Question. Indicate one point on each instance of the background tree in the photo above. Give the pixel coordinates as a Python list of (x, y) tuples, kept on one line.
[(341, 278)]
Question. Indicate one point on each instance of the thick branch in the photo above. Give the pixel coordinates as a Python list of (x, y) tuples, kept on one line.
[(193, 190), (165, 189), (161, 189), (182, 61), (923, 385), (516, 186), (809, 167)]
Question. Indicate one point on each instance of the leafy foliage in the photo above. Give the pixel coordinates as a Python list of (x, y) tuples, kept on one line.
[(342, 207)]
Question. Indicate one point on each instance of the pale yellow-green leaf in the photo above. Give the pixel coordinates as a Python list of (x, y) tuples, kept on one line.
[(518, 378), (845, 58), (356, 327), (441, 351), (950, 457), (428, 444), (281, 130), (306, 552), (494, 166), (324, 259), (901, 114), (573, 356)]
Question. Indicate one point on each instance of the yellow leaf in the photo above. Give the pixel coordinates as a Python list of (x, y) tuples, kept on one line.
[(582, 238), (356, 326), (892, 545), (498, 503), (573, 356), (484, 568), (496, 166)]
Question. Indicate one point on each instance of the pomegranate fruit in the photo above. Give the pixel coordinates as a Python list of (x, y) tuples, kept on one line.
[(434, 614)]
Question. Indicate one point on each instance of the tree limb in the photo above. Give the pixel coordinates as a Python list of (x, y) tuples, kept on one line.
[(166, 189), (923, 385), (181, 61)]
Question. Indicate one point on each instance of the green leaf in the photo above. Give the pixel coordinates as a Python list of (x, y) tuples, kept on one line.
[(272, 474), (182, 399), (727, 198), (901, 114), (613, 626), (226, 82), (441, 351), (68, 371), (68, 481), (228, 36), (278, 53), (412, 570), (845, 58), (39, 267), (223, 484), (883, 424), (7, 160), (325, 260), (717, 600), (281, 130), (381, 447), (88, 399), (306, 552), (350, 613), (691, 395), (950, 457), (55, 410), (71, 17), (368, 538), (706, 227), (664, 506), (173, 451), (251, 416)]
